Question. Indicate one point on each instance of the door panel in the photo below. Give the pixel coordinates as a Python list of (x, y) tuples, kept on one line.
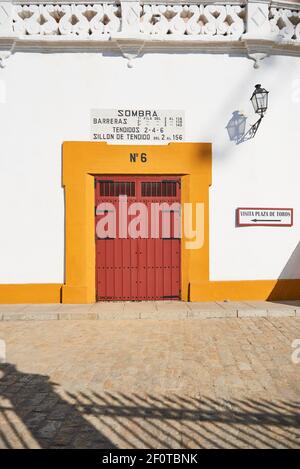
[(145, 267)]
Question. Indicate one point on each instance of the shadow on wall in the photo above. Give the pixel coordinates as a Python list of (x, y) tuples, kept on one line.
[(33, 414), (236, 127), (291, 271), (292, 267)]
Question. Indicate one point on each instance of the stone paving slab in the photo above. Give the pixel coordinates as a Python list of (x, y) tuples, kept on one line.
[(109, 315), (103, 306), (12, 307), (76, 315), (231, 305), (149, 310), (162, 314), (273, 306), (44, 307), (172, 306), (30, 315), (205, 306), (199, 314), (252, 313)]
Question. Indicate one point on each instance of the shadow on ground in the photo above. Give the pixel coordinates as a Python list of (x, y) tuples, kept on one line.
[(34, 412)]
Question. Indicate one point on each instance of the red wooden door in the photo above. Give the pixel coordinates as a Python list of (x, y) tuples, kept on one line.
[(137, 237)]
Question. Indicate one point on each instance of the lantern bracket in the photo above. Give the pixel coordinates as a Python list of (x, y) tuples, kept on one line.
[(251, 132)]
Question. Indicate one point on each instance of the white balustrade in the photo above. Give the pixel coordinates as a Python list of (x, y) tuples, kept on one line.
[(257, 26)]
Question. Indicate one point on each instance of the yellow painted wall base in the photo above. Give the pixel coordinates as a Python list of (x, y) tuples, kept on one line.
[(30, 293), (75, 295), (240, 290)]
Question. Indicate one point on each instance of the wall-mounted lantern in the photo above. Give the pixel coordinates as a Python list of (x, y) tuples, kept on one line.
[(259, 100), (237, 124)]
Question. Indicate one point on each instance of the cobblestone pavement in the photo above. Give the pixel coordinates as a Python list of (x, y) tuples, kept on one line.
[(221, 383)]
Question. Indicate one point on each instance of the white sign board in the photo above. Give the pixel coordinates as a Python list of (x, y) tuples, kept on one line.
[(137, 126), (264, 216)]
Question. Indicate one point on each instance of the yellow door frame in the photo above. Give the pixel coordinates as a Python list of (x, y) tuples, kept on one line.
[(83, 160)]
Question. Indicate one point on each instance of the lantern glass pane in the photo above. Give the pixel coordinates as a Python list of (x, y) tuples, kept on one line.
[(261, 101)]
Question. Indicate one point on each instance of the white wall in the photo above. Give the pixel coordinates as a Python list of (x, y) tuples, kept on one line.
[(48, 100)]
